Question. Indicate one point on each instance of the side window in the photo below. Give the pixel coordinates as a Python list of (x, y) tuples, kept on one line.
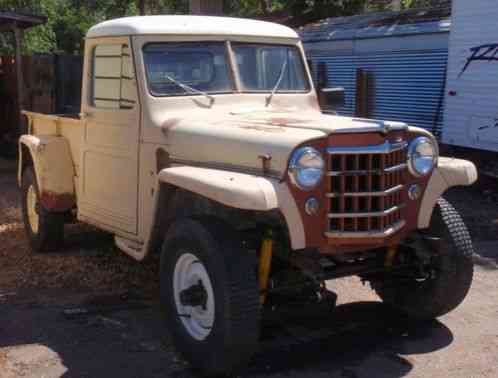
[(113, 77)]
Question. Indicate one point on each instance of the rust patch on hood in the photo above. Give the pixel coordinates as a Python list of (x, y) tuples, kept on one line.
[(285, 121), (272, 124), (264, 128), (57, 201)]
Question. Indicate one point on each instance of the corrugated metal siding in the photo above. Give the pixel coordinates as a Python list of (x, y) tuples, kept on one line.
[(340, 73), (378, 25), (408, 86)]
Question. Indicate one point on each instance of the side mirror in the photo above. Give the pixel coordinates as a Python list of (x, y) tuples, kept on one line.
[(332, 98)]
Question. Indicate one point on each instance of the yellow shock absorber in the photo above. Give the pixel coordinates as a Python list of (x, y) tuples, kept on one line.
[(265, 257), (390, 255)]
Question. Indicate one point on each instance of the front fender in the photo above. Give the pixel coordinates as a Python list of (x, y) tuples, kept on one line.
[(449, 172), (54, 170), (237, 190), (241, 191)]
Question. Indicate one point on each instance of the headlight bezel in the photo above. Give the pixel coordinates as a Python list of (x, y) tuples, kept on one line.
[(295, 167), (412, 151)]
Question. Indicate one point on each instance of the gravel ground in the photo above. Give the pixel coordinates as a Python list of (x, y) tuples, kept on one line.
[(88, 261), (91, 311)]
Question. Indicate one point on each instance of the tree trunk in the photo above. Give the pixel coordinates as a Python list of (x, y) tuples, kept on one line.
[(264, 6), (206, 7), (141, 7), (396, 5)]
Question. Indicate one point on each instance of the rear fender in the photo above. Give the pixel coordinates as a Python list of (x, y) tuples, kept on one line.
[(54, 170)]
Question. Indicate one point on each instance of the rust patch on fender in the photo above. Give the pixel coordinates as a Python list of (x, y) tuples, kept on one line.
[(57, 201), (313, 101), (169, 124)]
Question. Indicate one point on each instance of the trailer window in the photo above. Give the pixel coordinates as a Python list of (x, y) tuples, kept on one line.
[(113, 77)]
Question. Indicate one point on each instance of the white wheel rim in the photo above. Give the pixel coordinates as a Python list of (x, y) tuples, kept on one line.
[(197, 320), (32, 206)]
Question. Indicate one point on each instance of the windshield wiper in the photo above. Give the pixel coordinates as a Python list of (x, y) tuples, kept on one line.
[(275, 88), (188, 88)]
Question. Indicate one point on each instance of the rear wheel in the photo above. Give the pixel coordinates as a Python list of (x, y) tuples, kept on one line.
[(449, 269), (209, 294), (44, 229)]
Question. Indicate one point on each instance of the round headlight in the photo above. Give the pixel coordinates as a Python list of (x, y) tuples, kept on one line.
[(306, 168), (422, 156)]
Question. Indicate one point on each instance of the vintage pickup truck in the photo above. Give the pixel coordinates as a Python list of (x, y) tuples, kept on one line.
[(202, 139)]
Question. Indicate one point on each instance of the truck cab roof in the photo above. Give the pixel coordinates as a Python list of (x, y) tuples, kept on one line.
[(190, 25)]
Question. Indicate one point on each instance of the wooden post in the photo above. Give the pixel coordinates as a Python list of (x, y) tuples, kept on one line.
[(19, 36), (364, 93), (322, 81)]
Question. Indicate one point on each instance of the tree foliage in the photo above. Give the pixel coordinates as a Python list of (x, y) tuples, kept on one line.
[(379, 5), (300, 12), (424, 3), (297, 11), (69, 20)]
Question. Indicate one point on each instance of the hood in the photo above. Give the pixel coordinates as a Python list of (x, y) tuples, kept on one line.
[(237, 140), (327, 123)]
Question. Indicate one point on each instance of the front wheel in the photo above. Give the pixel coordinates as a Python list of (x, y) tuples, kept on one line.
[(450, 265), (209, 294)]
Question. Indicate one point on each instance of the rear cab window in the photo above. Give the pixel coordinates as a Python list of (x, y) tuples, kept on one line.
[(113, 77)]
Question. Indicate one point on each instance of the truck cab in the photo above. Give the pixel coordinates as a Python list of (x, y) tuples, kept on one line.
[(202, 139)]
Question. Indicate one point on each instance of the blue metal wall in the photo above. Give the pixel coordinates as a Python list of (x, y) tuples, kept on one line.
[(409, 86)]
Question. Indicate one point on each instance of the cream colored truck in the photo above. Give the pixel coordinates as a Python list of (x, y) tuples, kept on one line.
[(202, 139)]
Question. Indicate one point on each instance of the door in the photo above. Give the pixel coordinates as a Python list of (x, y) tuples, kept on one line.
[(109, 183)]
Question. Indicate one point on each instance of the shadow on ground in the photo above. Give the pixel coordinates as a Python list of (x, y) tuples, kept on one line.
[(84, 239), (356, 339), (121, 336)]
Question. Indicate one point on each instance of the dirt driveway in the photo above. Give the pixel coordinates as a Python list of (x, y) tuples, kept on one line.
[(90, 311)]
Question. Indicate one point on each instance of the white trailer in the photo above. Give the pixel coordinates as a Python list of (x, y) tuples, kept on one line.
[(471, 107)]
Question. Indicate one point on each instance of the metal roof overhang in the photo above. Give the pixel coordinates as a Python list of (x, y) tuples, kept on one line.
[(12, 20)]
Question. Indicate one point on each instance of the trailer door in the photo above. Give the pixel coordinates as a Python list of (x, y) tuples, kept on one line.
[(471, 107)]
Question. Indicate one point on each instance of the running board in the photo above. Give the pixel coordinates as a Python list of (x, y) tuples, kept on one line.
[(130, 247)]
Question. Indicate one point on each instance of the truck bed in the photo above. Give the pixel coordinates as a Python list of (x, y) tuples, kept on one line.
[(68, 126), (50, 124)]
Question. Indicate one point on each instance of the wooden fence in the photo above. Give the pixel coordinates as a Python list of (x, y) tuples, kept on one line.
[(52, 85)]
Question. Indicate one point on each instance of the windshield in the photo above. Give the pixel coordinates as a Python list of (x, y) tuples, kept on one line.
[(201, 66), (261, 66)]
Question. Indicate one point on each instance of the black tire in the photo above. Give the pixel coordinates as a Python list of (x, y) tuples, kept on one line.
[(235, 331), (50, 233), (453, 268)]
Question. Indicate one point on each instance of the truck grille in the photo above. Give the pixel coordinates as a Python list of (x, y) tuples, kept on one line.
[(366, 190)]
